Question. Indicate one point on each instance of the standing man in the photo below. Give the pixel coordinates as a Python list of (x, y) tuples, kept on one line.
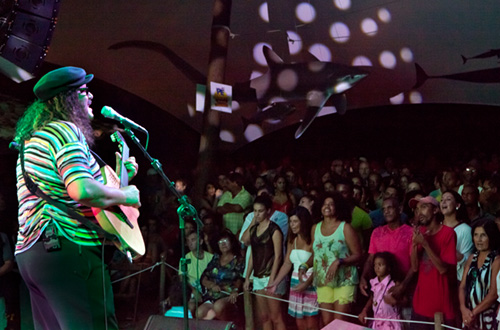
[(235, 203), (394, 237), (58, 257), (433, 255)]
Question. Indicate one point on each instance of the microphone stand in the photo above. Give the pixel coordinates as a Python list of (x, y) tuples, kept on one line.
[(185, 210)]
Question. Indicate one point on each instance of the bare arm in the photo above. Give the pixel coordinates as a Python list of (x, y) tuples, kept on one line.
[(466, 313), (492, 294), (245, 238), (278, 253), (92, 193), (353, 244), (229, 208), (285, 268), (363, 281), (246, 285)]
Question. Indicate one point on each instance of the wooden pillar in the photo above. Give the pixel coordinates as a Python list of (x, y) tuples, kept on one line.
[(216, 72), (438, 320)]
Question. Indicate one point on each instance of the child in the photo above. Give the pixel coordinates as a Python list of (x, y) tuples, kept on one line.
[(382, 303)]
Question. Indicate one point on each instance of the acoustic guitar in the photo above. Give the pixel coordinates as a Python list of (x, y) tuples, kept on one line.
[(121, 221)]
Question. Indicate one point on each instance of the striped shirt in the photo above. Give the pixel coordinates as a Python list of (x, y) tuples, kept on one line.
[(55, 156)]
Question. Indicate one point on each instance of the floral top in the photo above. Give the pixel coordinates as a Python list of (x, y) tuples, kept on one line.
[(224, 276), (327, 249)]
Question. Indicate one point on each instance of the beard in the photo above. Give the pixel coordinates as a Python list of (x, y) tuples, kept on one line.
[(81, 118)]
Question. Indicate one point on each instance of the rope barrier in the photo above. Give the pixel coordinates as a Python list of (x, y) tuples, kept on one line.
[(141, 271), (355, 316), (288, 301)]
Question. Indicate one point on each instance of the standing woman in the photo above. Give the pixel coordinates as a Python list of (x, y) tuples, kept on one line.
[(336, 252), (303, 299), (265, 260), (478, 289), (455, 216), (283, 201)]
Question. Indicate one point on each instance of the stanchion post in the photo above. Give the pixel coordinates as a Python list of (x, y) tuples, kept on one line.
[(248, 306), (438, 321), (162, 284)]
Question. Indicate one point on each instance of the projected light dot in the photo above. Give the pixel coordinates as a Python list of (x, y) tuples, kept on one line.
[(361, 61), (287, 80), (263, 12), (316, 66), (327, 111), (397, 99), (227, 136), (305, 12), (321, 52), (387, 59), (340, 32), (406, 55), (342, 4), (294, 42), (235, 105), (415, 97), (384, 15), (258, 54), (253, 132), (255, 74), (369, 27), (191, 110), (277, 99)]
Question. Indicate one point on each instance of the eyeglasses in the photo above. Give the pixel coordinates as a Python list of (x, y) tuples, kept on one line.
[(224, 241), (84, 90)]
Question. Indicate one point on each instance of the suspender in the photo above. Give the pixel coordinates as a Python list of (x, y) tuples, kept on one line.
[(35, 190)]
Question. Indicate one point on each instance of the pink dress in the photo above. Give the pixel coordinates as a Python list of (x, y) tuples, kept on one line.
[(381, 309)]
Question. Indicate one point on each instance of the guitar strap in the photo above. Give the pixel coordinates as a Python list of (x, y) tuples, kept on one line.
[(35, 190)]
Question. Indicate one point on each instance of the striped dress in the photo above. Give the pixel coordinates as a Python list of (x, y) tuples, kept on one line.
[(303, 303), (54, 157), (477, 286)]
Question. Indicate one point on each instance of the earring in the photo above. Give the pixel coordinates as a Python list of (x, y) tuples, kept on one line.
[(457, 208)]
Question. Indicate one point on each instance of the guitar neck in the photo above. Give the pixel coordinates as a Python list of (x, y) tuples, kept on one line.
[(123, 172)]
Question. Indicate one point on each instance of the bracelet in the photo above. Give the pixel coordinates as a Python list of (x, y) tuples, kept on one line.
[(341, 261), (304, 266)]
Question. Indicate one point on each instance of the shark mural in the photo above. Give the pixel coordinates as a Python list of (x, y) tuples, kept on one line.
[(314, 82), (486, 76), (457, 51)]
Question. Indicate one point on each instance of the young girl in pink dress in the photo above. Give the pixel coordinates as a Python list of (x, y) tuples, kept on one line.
[(384, 306)]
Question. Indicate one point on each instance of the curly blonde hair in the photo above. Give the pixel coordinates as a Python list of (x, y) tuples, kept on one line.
[(64, 106)]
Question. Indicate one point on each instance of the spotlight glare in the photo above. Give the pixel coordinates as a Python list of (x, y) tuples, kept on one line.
[(253, 132), (406, 55), (342, 4), (227, 136), (384, 15), (387, 59), (305, 12), (340, 32), (294, 42), (258, 54), (369, 27), (263, 12), (397, 99), (321, 52), (361, 61), (416, 97)]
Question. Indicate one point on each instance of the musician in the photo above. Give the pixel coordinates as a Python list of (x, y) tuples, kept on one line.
[(58, 257)]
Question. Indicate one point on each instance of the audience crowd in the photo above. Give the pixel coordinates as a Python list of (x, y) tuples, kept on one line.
[(361, 237)]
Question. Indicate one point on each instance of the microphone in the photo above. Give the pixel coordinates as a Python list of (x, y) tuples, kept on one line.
[(110, 113)]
